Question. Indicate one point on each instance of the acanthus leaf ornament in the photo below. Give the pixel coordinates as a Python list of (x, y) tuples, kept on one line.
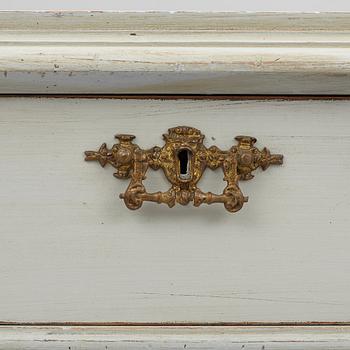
[(183, 159)]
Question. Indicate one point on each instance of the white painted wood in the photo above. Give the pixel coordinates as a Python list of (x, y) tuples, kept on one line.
[(71, 251), (166, 338), (222, 53)]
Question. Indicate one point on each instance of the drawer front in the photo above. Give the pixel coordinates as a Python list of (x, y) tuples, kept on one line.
[(71, 251)]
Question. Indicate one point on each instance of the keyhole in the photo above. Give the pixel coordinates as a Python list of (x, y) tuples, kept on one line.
[(184, 159)]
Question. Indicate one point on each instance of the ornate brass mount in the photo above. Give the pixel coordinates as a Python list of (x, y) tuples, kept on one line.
[(183, 160)]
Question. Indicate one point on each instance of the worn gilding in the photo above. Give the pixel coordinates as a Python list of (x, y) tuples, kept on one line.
[(131, 161)]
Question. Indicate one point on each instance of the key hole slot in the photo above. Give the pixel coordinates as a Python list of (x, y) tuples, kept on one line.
[(184, 157)]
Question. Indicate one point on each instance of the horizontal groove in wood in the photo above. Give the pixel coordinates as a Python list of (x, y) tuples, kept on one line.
[(177, 324), (183, 97)]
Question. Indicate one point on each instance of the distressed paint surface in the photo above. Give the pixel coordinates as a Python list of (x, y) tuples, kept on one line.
[(223, 53), (171, 338), (70, 251)]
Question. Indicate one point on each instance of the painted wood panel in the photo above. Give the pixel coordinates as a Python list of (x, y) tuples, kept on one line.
[(71, 251)]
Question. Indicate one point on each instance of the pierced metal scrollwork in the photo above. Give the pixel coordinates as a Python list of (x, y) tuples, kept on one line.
[(183, 159)]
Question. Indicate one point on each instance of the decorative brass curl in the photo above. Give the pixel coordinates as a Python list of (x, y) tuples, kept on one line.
[(183, 159)]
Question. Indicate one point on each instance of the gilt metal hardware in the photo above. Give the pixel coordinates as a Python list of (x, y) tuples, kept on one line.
[(183, 159)]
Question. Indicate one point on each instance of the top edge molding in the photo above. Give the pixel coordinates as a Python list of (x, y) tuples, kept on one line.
[(174, 53)]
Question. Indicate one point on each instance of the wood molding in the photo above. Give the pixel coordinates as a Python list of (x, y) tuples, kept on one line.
[(174, 337), (174, 53)]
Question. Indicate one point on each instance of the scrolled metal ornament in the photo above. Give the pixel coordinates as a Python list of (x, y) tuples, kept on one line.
[(183, 159)]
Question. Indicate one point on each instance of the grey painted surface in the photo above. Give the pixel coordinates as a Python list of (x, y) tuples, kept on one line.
[(71, 251), (179, 5)]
